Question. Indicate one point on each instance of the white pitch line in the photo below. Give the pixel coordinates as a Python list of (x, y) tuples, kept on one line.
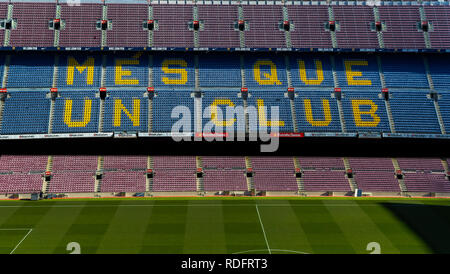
[(21, 241), (262, 227)]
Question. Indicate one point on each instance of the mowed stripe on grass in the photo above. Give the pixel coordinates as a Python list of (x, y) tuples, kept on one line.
[(226, 226)]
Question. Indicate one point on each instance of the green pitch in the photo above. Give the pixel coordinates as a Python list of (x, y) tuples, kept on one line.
[(226, 225)]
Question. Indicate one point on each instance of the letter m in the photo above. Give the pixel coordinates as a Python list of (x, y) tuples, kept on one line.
[(73, 64)]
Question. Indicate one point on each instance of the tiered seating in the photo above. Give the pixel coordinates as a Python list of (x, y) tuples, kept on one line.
[(359, 72), (174, 162), (439, 72), (33, 24), (224, 180), (218, 102), (274, 173), (309, 26), (174, 173), (20, 183), (270, 100), (321, 163), (127, 69), (173, 26), (439, 37), (124, 173), (76, 111), (413, 112), (176, 180), (223, 162), (164, 103), (62, 163), (264, 71), (364, 111), (26, 112), (72, 182), (217, 30), (127, 25), (80, 25), (426, 182), (264, 31), (325, 180), (404, 71), (354, 24), (79, 70), (374, 174), (126, 110), (401, 27), (224, 173), (73, 174), (323, 174), (23, 163), (444, 105), (173, 71), (113, 163), (31, 70), (317, 112), (3, 14), (219, 70), (123, 181), (420, 164), (311, 71)]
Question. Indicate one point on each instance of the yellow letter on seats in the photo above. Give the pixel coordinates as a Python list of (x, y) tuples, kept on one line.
[(326, 112), (122, 72), (262, 116), (86, 116), (218, 102), (73, 63), (119, 107), (181, 71), (319, 72), (357, 113), (270, 78), (351, 74)]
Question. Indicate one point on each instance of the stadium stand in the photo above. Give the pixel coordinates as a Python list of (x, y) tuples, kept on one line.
[(308, 175), (217, 32), (374, 174), (331, 68), (401, 27), (80, 25), (127, 25), (33, 24), (404, 110), (355, 27)]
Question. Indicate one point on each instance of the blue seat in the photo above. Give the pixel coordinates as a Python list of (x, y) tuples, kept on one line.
[(127, 70), (271, 99), (357, 72), (404, 71), (316, 73), (365, 102), (76, 112), (121, 111), (173, 71), (413, 112), (444, 105), (31, 70), (79, 70), (318, 120), (222, 99), (265, 71), (164, 103), (26, 112), (219, 70)]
